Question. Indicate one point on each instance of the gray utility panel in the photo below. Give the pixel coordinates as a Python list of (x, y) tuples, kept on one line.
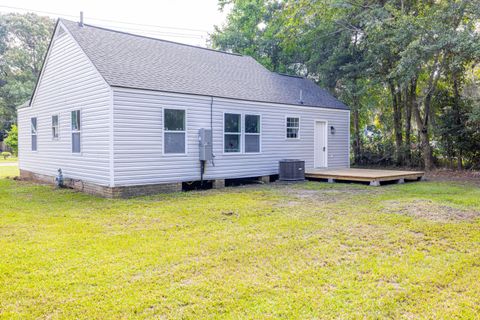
[(205, 144)]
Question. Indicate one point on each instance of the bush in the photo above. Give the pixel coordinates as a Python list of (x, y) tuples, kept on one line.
[(6, 155)]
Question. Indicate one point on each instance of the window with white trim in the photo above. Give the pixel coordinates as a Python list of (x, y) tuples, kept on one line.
[(252, 133), (33, 126), (55, 127), (76, 131), (232, 130), (293, 127), (174, 131)]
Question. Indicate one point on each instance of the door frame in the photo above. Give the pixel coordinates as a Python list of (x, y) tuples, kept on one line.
[(315, 143)]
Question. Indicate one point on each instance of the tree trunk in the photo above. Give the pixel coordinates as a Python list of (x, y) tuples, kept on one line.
[(423, 132), (399, 128), (397, 122), (426, 149), (424, 135), (423, 124), (410, 98), (458, 121)]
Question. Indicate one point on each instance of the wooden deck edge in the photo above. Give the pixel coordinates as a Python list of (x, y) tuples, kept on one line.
[(366, 176), (407, 177), (364, 179)]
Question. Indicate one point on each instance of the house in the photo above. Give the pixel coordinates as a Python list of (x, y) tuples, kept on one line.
[(121, 114)]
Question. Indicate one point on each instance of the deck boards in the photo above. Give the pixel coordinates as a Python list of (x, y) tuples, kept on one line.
[(373, 176)]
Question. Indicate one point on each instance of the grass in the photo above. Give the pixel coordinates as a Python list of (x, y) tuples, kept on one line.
[(9, 159), (8, 172), (303, 251)]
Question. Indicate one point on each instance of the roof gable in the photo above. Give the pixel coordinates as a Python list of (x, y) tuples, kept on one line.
[(127, 60), (59, 31)]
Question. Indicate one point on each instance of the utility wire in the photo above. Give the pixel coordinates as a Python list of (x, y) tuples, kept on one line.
[(38, 11), (105, 20), (158, 32), (150, 25)]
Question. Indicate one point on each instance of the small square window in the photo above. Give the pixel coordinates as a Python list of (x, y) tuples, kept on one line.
[(293, 127)]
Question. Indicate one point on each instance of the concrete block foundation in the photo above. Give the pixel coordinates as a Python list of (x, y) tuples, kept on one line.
[(105, 191), (264, 179), (218, 184)]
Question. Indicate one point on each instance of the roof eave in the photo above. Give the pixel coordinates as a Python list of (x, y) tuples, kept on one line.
[(233, 98), (43, 65)]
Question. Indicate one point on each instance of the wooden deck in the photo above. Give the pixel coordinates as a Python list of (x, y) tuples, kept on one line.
[(374, 177)]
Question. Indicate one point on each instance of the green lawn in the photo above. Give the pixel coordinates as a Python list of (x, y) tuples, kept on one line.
[(9, 159), (311, 250)]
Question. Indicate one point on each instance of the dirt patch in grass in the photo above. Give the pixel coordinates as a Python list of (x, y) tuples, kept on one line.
[(321, 193), (328, 196), (430, 210)]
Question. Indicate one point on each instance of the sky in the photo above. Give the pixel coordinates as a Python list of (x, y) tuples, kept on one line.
[(186, 21)]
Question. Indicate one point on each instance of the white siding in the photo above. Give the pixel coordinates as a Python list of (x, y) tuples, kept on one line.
[(138, 130), (69, 82)]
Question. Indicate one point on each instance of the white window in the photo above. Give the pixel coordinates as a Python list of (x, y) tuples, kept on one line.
[(293, 127), (174, 133), (33, 126), (76, 145), (232, 129), (55, 127), (252, 133)]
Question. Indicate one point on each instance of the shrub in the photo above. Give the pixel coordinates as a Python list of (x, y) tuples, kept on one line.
[(6, 155)]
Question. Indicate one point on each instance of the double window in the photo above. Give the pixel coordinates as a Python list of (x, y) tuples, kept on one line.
[(55, 127), (233, 133), (76, 129), (33, 126), (174, 136), (293, 128)]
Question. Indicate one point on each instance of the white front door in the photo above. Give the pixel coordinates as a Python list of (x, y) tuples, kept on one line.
[(320, 144)]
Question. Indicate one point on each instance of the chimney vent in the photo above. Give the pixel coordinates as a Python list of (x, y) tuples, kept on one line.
[(81, 19)]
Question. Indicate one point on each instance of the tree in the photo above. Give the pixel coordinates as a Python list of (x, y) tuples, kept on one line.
[(24, 40), (251, 29), (386, 59), (12, 139), (443, 29)]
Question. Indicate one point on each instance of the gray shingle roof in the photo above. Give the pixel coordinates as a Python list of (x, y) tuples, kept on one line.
[(133, 61)]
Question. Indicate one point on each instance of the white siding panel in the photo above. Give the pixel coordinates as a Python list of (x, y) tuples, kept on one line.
[(138, 131), (69, 82)]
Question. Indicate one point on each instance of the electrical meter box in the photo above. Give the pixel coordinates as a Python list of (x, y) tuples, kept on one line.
[(205, 144)]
